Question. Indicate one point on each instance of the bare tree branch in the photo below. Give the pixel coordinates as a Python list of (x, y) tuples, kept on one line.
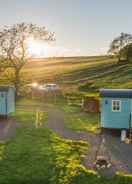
[(14, 48)]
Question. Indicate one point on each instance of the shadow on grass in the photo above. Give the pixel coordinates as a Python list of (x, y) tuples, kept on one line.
[(98, 71), (108, 75)]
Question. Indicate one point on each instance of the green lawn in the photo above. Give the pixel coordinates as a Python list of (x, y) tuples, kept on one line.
[(82, 121), (37, 155), (70, 108), (28, 101)]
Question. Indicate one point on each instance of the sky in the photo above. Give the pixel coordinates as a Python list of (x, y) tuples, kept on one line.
[(82, 27)]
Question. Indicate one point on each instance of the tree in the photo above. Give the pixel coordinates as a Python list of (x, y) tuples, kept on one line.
[(118, 43), (14, 46), (126, 53)]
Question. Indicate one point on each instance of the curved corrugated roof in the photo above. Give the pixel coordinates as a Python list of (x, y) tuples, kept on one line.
[(121, 93)]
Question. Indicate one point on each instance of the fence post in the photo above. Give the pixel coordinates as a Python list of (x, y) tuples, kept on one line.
[(37, 119)]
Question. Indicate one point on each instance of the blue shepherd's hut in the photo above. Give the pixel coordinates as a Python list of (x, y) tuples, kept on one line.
[(116, 108), (7, 100)]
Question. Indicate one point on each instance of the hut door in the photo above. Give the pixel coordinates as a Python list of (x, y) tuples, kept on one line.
[(131, 120), (131, 116), (2, 103)]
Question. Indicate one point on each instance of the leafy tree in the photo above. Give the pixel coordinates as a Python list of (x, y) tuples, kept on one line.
[(14, 46), (118, 43), (126, 52)]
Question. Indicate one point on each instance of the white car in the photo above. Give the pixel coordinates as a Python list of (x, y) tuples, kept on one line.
[(33, 85), (49, 87)]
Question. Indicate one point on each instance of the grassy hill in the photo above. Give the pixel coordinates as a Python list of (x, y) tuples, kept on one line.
[(79, 73), (82, 72)]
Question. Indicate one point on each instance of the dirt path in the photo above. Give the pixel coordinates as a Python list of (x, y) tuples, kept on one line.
[(118, 152), (56, 123)]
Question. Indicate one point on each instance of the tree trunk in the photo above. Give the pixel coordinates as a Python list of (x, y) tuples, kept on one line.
[(17, 81), (127, 57), (119, 58)]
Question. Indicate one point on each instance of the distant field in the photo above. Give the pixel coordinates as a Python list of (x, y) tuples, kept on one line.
[(83, 73), (71, 73)]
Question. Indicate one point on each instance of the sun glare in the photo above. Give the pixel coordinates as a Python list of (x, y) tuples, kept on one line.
[(38, 48)]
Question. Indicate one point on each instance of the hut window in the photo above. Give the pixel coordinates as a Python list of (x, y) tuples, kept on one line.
[(116, 105), (106, 102)]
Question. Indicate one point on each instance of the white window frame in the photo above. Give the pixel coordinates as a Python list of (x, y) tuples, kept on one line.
[(119, 105)]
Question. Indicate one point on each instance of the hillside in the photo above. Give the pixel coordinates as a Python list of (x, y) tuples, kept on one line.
[(83, 73)]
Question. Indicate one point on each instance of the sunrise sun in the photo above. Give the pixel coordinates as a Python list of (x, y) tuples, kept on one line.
[(38, 48)]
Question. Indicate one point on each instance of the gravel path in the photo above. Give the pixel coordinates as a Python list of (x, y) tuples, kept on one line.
[(117, 152), (56, 123)]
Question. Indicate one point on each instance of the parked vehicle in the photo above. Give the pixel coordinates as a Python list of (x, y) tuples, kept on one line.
[(33, 85), (49, 87)]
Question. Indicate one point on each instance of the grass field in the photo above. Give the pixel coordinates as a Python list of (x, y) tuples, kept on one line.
[(83, 73), (86, 74), (83, 122), (77, 73), (37, 155), (40, 156)]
